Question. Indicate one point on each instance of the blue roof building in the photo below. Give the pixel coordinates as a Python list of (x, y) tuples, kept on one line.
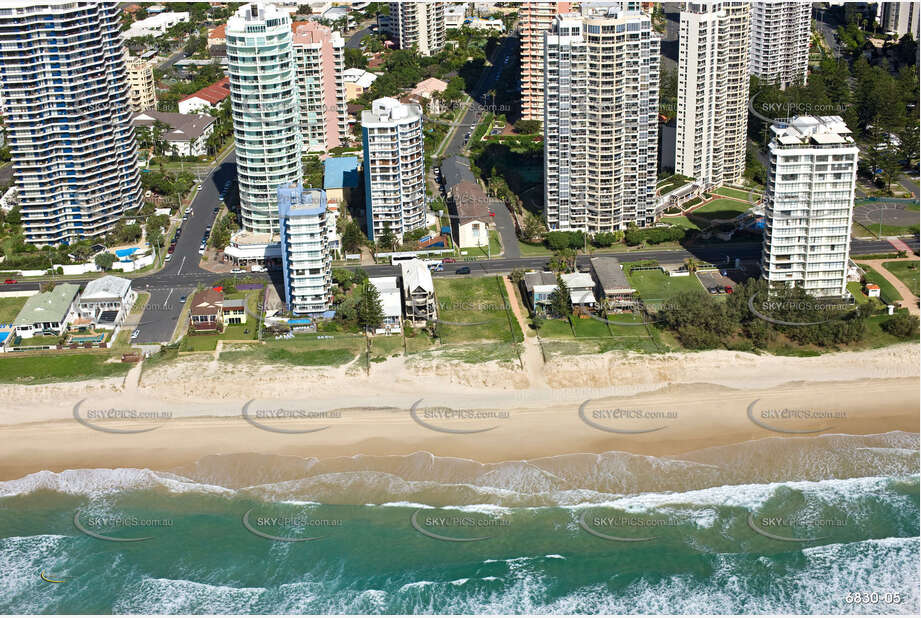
[(340, 173), (305, 255)]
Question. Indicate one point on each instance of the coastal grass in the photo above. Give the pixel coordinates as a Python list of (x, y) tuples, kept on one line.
[(10, 307), (907, 273), (44, 368), (474, 309), (303, 350), (656, 285), (474, 353), (887, 290), (386, 346), (681, 222)]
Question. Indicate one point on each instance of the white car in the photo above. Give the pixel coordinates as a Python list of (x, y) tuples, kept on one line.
[(237, 271), (168, 257), (136, 334), (200, 187)]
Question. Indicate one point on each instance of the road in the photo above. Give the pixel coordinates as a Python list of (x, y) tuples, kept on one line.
[(457, 144), (176, 57), (827, 31), (182, 275)]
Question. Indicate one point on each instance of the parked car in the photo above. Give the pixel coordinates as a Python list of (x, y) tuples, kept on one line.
[(168, 257), (182, 299), (712, 290), (448, 260), (463, 270), (136, 334), (729, 289), (237, 271), (10, 281), (214, 211), (200, 187), (720, 289)]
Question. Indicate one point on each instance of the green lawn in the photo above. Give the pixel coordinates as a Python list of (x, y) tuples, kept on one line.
[(856, 291), (907, 272), (9, 308), (738, 193), (529, 250), (587, 327), (681, 221), (555, 329), (494, 246), (887, 291), (386, 346), (721, 208), (43, 368), (303, 350), (656, 285), (473, 310)]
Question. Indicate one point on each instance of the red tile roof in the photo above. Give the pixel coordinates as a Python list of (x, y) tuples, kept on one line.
[(215, 93), (218, 33)]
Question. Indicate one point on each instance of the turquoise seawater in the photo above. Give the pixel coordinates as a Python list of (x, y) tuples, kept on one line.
[(793, 525)]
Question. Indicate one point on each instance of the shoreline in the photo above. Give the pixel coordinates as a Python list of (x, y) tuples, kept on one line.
[(693, 401)]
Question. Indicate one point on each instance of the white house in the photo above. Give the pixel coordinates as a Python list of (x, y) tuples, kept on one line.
[(418, 292), (188, 134), (356, 82), (106, 301), (472, 211), (155, 25), (48, 312), (389, 291)]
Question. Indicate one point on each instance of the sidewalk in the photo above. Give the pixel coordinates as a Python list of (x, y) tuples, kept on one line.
[(909, 300)]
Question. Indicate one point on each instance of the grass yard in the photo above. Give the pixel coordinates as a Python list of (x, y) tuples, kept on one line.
[(42, 368), (682, 222), (494, 246), (555, 329), (656, 285), (856, 291), (529, 250), (907, 272), (473, 310), (587, 327), (386, 346), (737, 193), (874, 230), (10, 307), (303, 350), (887, 290), (721, 208)]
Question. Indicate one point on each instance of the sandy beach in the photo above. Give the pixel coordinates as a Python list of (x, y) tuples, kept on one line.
[(652, 405)]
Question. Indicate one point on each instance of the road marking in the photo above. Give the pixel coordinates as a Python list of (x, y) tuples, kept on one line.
[(179, 272)]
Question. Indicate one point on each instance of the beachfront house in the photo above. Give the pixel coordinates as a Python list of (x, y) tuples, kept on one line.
[(389, 291), (206, 312), (233, 310), (105, 302), (581, 291), (418, 292), (48, 313), (613, 288), (538, 287)]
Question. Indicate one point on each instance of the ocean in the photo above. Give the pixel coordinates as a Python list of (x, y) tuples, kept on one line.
[(800, 525)]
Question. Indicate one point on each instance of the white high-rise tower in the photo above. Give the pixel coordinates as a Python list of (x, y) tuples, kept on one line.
[(419, 24), (713, 91), (601, 88), (780, 42), (808, 205), (263, 101)]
